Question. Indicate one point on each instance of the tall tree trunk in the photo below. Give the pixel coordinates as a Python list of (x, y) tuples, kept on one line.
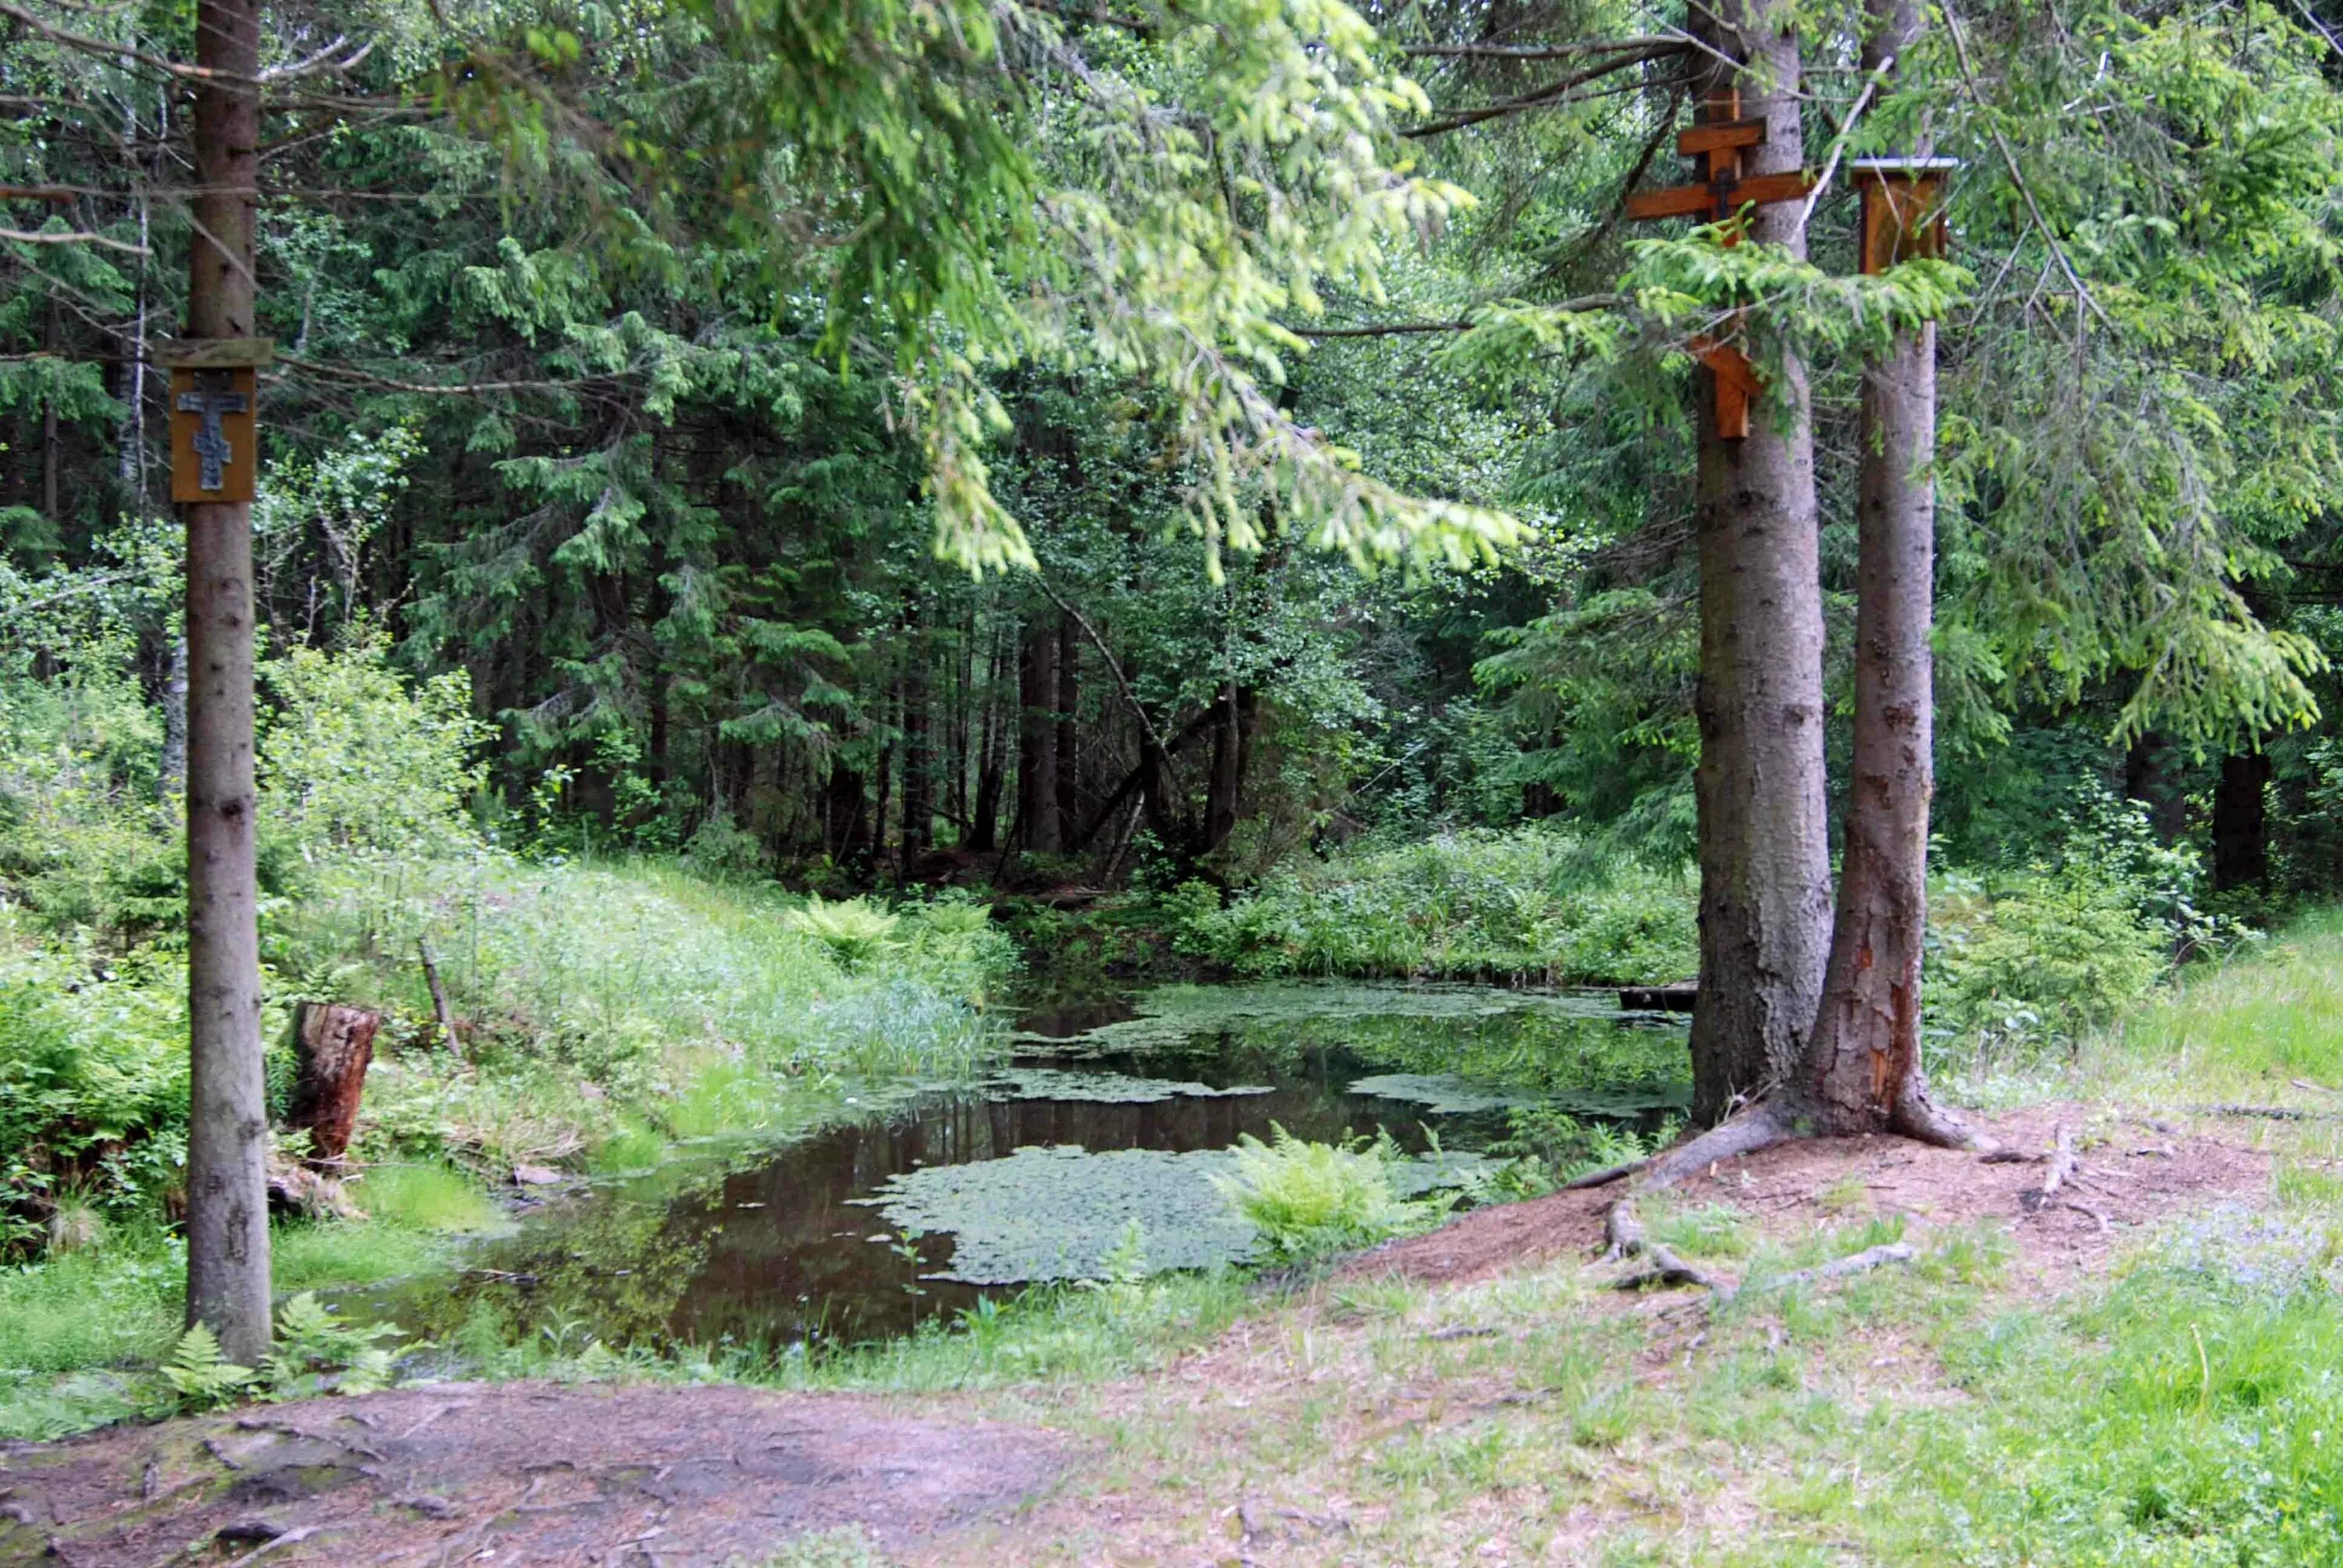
[(1069, 738), (919, 775), (984, 812), (1226, 780), (2148, 780), (1764, 834), (849, 813), (1863, 1073), (227, 1130), (1037, 808), (1865, 1059), (2241, 820)]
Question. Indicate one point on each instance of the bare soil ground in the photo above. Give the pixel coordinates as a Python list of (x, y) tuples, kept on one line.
[(1264, 1446), (516, 1473), (2132, 1172)]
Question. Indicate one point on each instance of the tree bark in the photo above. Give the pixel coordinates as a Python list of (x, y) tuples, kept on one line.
[(1864, 1058), (1763, 835), (1068, 747), (1225, 783), (984, 812), (227, 1164), (918, 770), (333, 1046), (1038, 807), (1864, 1071), (2241, 820), (2148, 780)]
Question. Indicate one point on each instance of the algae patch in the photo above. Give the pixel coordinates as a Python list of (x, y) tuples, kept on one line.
[(1058, 1212), (1062, 1212), (1111, 1087), (1443, 1093)]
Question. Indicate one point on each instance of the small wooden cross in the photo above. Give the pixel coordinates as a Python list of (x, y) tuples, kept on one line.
[(215, 423), (1718, 141)]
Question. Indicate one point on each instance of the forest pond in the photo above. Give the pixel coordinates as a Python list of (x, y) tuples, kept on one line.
[(1090, 1147)]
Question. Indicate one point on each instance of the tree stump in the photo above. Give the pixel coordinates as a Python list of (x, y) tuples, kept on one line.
[(332, 1046)]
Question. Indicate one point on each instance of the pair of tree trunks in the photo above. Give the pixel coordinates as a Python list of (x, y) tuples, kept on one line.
[(227, 1132), (1818, 1014)]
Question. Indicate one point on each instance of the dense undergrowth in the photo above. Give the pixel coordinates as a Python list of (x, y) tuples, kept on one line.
[(2024, 958), (605, 1009)]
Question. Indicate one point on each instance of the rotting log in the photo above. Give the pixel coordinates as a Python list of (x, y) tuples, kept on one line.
[(333, 1046)]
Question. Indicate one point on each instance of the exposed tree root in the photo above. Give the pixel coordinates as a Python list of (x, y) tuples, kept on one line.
[(1760, 1127), (1922, 1119), (1628, 1239), (1604, 1177)]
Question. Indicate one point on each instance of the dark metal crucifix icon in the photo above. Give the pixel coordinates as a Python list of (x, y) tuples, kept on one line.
[(211, 398)]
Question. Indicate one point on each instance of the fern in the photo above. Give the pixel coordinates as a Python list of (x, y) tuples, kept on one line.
[(312, 1341), (200, 1373)]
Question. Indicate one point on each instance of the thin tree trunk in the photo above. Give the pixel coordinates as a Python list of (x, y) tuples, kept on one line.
[(1038, 807), (1226, 779), (1865, 1054), (1069, 738), (2241, 820), (171, 778), (1763, 835), (918, 778), (227, 1146), (985, 812)]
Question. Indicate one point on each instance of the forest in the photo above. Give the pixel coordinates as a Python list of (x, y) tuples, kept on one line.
[(1464, 781)]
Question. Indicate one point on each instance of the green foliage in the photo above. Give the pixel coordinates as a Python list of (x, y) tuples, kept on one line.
[(202, 1377), (354, 758), (310, 1341), (853, 930), (1529, 903), (1308, 1200), (93, 1087)]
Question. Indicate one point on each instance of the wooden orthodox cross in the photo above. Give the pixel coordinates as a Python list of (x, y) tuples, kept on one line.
[(215, 423), (1718, 141)]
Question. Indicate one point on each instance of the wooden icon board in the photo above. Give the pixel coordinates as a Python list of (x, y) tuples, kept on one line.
[(215, 415), (1903, 208), (215, 433)]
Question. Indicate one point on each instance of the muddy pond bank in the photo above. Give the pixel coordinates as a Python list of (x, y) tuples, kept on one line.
[(1089, 1147)]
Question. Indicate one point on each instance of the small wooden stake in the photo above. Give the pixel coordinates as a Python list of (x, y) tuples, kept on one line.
[(440, 997)]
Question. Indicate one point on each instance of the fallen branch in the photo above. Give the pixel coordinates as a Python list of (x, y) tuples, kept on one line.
[(2269, 1112), (1629, 1239)]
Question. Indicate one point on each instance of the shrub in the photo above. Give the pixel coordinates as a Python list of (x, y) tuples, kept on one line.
[(1309, 1199), (854, 930), (1529, 903)]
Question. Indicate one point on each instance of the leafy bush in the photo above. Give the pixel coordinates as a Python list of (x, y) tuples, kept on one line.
[(1309, 1199), (1529, 903), (2024, 958), (352, 758), (854, 930), (93, 1086)]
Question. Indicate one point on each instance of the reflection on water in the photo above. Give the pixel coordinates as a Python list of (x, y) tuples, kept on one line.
[(771, 1250)]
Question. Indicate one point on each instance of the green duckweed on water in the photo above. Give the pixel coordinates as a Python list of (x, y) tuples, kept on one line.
[(1170, 1016), (1063, 1213), (1444, 1093), (1111, 1087)]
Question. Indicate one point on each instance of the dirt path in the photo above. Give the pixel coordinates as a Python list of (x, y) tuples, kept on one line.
[(522, 1472), (1271, 1444)]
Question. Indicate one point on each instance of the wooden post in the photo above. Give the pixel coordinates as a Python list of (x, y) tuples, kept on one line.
[(446, 1014), (332, 1047)]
